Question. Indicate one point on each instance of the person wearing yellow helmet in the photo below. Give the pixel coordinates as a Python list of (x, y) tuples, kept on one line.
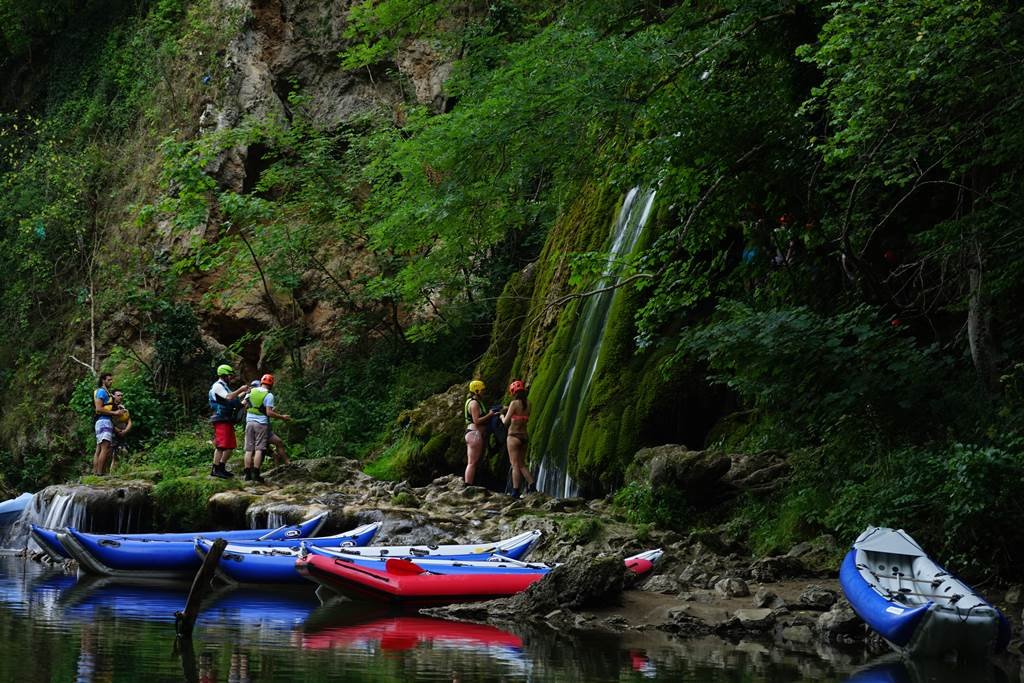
[(477, 417)]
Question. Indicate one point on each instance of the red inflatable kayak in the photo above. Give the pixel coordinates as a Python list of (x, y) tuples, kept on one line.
[(405, 582)]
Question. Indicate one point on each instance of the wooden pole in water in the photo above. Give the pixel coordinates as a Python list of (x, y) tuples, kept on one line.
[(184, 621)]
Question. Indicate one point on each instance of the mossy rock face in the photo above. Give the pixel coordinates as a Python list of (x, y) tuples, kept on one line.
[(495, 368), (183, 503), (432, 445)]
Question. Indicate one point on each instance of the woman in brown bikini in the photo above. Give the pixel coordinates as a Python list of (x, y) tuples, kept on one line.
[(515, 418)]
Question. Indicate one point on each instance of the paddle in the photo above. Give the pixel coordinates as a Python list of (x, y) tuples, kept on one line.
[(395, 565)]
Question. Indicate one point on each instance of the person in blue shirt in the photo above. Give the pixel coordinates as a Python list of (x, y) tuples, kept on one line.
[(103, 412)]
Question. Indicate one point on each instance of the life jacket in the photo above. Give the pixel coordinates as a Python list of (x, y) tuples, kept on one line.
[(256, 398), (108, 403), (224, 410), (465, 409)]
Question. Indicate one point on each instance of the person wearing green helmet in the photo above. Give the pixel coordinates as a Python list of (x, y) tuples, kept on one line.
[(225, 404), (477, 417)]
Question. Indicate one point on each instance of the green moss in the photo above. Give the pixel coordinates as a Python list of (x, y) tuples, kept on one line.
[(495, 368), (580, 529), (393, 463), (405, 499), (182, 503)]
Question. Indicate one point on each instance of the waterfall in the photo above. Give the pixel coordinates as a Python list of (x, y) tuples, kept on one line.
[(87, 509), (572, 386)]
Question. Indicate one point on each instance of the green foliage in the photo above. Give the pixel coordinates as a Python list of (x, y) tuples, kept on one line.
[(785, 361), (643, 504), (392, 463)]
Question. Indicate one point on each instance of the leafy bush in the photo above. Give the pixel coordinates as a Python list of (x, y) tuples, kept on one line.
[(817, 370), (660, 506)]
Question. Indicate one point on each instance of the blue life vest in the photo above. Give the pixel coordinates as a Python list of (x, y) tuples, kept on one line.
[(224, 410)]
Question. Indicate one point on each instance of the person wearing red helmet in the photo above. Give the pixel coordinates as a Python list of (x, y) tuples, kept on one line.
[(515, 418), (257, 426)]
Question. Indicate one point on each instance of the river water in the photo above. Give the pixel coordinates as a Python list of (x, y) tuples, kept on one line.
[(56, 627)]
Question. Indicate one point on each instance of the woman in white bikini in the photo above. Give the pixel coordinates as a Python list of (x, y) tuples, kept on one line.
[(477, 417)]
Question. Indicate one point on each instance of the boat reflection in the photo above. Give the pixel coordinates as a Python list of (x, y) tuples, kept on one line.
[(929, 671), (397, 633)]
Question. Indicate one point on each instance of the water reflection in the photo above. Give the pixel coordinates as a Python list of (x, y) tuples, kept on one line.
[(893, 670), (104, 629)]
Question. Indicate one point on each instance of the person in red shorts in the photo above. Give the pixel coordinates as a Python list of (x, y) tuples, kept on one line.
[(225, 405)]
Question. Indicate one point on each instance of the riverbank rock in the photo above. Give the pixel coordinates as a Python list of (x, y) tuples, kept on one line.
[(732, 588), (840, 624), (580, 583), (818, 598)]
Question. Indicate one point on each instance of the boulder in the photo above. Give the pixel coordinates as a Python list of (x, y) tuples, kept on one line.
[(772, 569), (662, 583), (732, 588), (840, 624), (762, 472), (695, 473), (766, 598), (817, 597)]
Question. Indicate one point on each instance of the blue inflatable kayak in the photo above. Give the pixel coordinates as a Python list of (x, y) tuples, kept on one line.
[(111, 556), (247, 563), (917, 606), (50, 543)]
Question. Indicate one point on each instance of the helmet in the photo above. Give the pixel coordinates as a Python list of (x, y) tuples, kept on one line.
[(224, 370), (267, 379), (255, 383), (476, 386), (516, 386)]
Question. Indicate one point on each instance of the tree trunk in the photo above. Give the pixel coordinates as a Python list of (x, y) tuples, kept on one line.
[(979, 333)]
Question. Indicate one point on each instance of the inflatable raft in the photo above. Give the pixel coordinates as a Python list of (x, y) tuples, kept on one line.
[(432, 582), (111, 556), (917, 606), (50, 543), (257, 563)]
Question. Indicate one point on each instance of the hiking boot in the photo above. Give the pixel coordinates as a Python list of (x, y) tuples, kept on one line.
[(256, 476), (215, 472), (532, 488), (247, 474), (224, 471), (515, 493)]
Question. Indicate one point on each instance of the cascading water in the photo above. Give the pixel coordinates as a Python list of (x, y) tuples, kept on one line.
[(57, 507), (553, 477)]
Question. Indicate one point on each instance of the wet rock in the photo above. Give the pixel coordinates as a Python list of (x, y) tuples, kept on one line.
[(795, 629), (772, 569), (684, 624), (1014, 594), (754, 619), (840, 624), (816, 597), (732, 588), (766, 598), (583, 582)]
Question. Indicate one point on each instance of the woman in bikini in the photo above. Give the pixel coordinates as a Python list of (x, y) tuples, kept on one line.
[(477, 418), (515, 418)]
